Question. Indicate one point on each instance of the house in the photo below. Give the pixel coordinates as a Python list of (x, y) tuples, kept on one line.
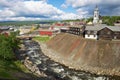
[(46, 32), (59, 27), (102, 31), (66, 29), (91, 32), (109, 33), (5, 30), (105, 33), (25, 29), (89, 24), (77, 30), (117, 23)]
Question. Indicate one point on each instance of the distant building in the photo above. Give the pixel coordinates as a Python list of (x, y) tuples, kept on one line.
[(25, 29), (117, 23), (4, 30), (59, 27), (96, 17), (46, 32)]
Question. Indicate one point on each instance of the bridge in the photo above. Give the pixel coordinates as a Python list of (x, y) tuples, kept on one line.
[(26, 37)]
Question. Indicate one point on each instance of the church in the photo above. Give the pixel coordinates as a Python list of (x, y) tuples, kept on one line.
[(96, 17)]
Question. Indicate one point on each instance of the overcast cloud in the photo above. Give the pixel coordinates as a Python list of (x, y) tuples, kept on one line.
[(106, 7)]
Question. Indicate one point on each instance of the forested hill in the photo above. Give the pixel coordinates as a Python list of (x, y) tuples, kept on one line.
[(19, 23)]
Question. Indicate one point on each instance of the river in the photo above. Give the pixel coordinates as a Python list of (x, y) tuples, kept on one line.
[(57, 70)]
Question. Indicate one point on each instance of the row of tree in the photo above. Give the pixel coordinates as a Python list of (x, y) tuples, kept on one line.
[(110, 20), (8, 44)]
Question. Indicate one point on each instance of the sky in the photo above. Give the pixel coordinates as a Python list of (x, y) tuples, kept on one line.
[(22, 10)]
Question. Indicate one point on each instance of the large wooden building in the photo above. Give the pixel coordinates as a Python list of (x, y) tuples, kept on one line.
[(102, 32), (105, 33), (109, 32), (77, 30)]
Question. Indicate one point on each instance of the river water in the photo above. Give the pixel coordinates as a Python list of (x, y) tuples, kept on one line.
[(57, 70)]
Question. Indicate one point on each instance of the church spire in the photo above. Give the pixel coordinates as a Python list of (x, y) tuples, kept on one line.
[(96, 8), (96, 15)]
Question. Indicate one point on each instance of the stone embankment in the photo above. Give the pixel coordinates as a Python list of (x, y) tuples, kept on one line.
[(39, 63), (100, 57)]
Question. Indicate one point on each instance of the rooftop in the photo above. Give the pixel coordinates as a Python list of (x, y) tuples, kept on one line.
[(101, 26)]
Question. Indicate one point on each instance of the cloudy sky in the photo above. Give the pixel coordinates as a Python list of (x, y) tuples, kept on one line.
[(12, 10)]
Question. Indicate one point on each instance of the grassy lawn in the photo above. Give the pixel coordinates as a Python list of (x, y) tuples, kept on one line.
[(42, 38), (7, 68)]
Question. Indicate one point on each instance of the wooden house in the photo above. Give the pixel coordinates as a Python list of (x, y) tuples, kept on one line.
[(116, 34), (77, 30), (102, 32), (91, 32), (105, 33), (110, 32)]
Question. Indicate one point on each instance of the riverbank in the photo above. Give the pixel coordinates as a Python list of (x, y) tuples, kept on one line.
[(37, 62), (56, 55), (14, 70)]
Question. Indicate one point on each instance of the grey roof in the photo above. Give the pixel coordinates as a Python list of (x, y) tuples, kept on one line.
[(114, 28), (4, 27), (94, 28), (99, 27)]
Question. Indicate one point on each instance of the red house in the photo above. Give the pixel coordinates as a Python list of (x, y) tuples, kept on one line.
[(59, 24), (46, 32)]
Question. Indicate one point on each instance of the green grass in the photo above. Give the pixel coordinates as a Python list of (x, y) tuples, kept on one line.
[(4, 74), (9, 67), (42, 38)]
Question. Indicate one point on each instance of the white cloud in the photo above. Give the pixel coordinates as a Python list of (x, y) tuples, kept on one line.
[(32, 10), (66, 16), (6, 13), (19, 19), (81, 11)]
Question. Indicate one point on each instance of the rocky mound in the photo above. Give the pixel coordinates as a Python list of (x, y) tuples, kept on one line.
[(101, 57)]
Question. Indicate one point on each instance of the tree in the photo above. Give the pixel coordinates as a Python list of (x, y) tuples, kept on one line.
[(8, 44)]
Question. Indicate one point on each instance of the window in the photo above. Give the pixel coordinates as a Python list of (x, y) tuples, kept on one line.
[(88, 32), (108, 32)]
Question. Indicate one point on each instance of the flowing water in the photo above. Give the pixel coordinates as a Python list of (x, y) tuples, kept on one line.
[(57, 70)]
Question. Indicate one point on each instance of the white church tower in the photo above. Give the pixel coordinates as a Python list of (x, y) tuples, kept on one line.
[(96, 16)]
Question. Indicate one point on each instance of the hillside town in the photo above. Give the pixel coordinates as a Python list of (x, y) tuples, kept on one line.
[(91, 30), (79, 48)]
